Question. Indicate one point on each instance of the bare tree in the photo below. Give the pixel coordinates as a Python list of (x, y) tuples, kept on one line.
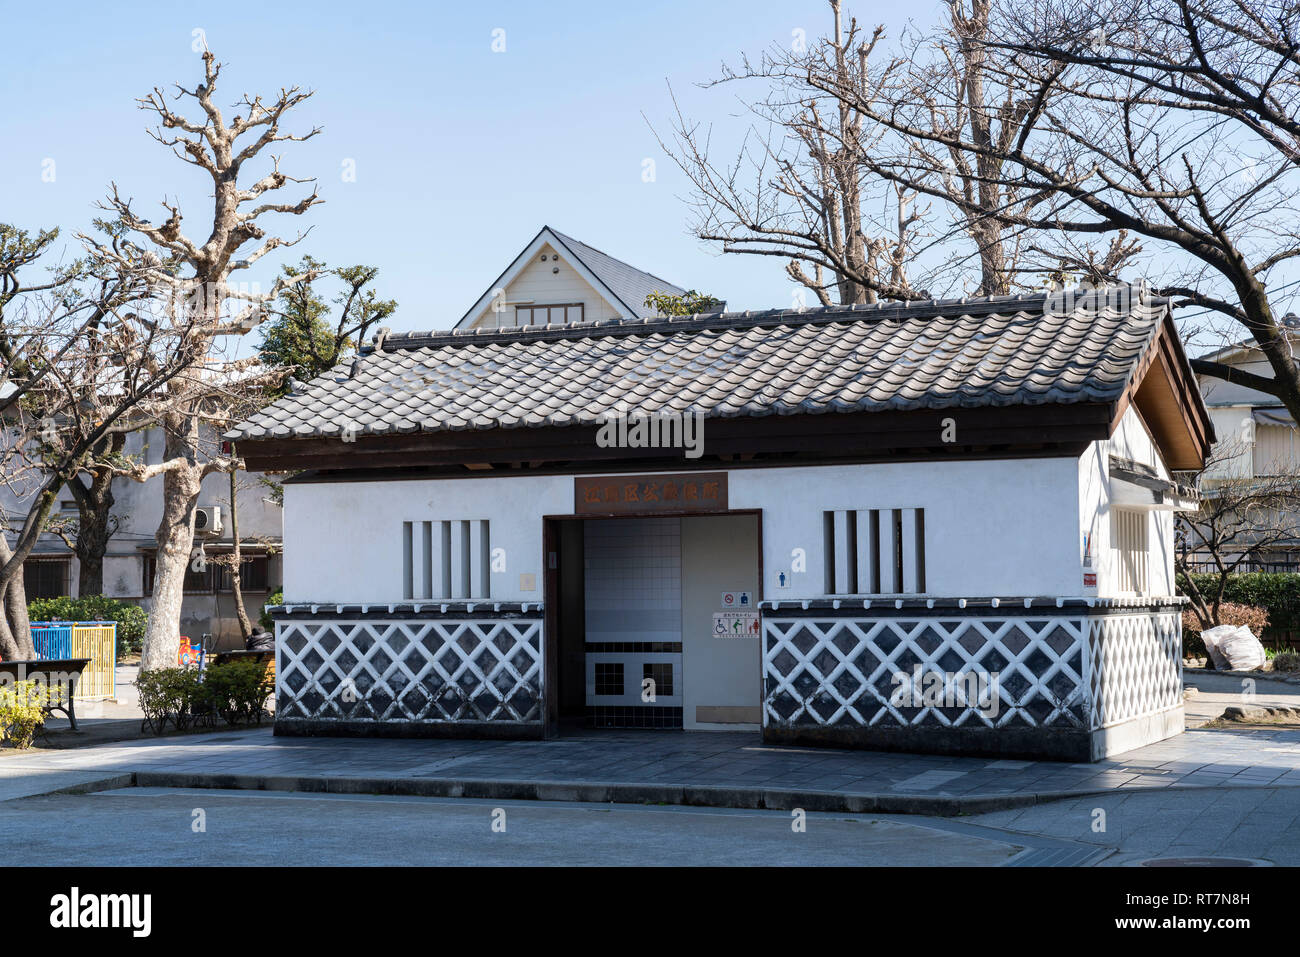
[(870, 205), (77, 367), (1241, 521), (206, 299), (1167, 123), (234, 560), (89, 533)]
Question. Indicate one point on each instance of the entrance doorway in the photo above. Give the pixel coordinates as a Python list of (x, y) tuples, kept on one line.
[(649, 622)]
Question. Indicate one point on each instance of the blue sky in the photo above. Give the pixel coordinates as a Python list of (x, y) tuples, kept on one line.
[(460, 153)]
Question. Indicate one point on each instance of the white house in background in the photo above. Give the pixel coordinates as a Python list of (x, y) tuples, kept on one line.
[(557, 279), (208, 606), (975, 494), (1257, 435)]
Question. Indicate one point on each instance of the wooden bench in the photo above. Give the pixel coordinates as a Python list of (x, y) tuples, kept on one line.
[(61, 672)]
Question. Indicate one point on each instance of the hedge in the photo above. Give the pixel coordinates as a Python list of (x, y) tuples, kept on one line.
[(131, 619), (235, 692), (1279, 592)]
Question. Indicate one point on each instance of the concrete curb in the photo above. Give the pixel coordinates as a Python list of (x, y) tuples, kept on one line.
[(109, 783), (779, 799), (591, 792)]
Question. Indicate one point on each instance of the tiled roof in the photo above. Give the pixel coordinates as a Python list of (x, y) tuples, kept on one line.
[(1002, 351), (630, 284)]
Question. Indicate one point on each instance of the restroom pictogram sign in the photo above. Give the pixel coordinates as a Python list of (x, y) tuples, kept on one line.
[(735, 624)]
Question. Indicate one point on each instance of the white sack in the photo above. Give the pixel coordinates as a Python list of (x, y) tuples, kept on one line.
[(1233, 648)]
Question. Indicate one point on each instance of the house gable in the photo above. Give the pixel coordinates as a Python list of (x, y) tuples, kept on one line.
[(557, 270)]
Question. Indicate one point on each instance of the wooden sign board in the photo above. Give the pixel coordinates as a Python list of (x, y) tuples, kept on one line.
[(689, 492)]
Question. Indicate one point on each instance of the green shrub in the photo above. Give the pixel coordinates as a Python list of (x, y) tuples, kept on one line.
[(168, 694), (131, 619), (275, 598), (1279, 592), (22, 710), (238, 691), (235, 692)]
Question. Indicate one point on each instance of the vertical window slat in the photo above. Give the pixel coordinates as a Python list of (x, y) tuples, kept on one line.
[(828, 550), (408, 578), (920, 550), (426, 549), (446, 559)]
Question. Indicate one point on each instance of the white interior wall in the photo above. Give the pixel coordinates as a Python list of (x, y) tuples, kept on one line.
[(632, 574)]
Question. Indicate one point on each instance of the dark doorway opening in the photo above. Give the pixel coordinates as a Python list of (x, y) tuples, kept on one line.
[(565, 626)]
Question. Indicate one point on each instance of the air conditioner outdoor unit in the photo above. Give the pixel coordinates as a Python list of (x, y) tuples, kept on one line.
[(207, 520)]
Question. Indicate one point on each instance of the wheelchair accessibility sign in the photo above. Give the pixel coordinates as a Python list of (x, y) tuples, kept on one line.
[(735, 624)]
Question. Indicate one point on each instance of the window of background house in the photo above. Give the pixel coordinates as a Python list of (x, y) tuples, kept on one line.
[(1128, 539), (196, 583), (252, 575), (47, 577), (214, 578), (874, 551), (541, 315)]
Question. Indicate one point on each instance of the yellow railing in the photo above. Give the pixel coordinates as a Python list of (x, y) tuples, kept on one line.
[(98, 642)]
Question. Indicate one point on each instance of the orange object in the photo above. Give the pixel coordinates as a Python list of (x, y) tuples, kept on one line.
[(189, 653)]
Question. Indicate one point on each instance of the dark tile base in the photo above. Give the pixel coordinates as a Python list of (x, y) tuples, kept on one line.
[(1059, 745), (314, 728), (633, 716)]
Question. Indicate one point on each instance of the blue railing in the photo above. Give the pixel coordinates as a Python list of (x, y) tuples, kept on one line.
[(53, 639)]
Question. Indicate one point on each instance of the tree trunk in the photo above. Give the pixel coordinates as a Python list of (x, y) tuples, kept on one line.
[(15, 628), (93, 532), (20, 625), (175, 538), (94, 522), (236, 586)]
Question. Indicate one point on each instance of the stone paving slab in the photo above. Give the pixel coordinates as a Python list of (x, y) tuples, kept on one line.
[(733, 768)]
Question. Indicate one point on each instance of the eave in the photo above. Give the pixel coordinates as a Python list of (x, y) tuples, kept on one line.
[(1010, 431), (1165, 393)]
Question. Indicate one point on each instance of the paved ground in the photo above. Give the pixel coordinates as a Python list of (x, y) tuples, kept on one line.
[(1227, 757), (1215, 693), (216, 827), (1225, 792), (325, 830), (1250, 823)]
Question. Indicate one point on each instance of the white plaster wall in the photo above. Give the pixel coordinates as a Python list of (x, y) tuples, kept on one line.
[(538, 283), (343, 540), (992, 527), (1130, 441)]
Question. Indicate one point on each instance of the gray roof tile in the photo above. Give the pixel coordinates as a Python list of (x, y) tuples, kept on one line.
[(938, 355), (630, 284)]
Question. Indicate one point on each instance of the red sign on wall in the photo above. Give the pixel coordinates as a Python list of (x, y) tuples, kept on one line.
[(691, 492)]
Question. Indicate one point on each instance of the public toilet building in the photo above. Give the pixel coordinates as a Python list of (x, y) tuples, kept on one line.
[(941, 526)]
